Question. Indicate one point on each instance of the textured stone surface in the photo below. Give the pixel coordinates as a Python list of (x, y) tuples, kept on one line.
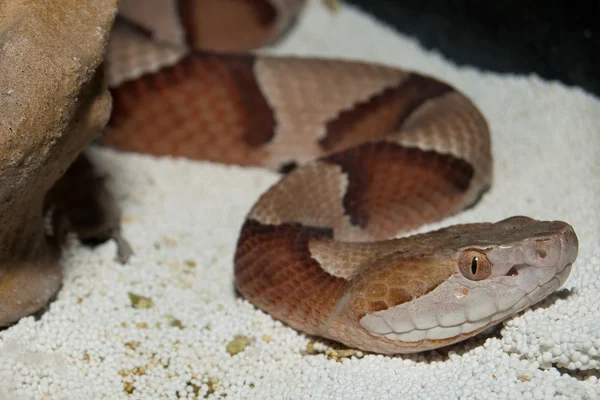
[(53, 102)]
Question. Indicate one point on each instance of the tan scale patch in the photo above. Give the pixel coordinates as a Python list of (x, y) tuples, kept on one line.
[(307, 93), (159, 17), (344, 259), (130, 54), (310, 196), (451, 124)]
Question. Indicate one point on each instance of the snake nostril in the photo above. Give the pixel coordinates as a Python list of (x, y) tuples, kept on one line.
[(541, 253), (512, 272)]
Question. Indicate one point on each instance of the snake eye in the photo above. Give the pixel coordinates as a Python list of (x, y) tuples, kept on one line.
[(474, 265)]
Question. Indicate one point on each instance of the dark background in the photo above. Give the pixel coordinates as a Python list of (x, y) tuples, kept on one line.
[(557, 40)]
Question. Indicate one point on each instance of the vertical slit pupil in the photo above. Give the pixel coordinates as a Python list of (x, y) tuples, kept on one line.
[(474, 266)]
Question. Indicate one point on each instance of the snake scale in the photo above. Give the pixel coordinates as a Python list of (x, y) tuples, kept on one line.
[(368, 152)]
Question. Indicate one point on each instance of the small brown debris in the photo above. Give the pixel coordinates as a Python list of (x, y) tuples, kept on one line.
[(139, 371), (525, 375), (141, 325), (132, 345), (213, 385), (332, 353), (266, 339), (338, 354), (128, 387), (190, 263), (194, 387), (174, 321), (310, 349), (86, 357), (238, 344), (140, 302)]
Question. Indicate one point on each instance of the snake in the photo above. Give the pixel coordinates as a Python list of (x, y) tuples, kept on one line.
[(368, 154)]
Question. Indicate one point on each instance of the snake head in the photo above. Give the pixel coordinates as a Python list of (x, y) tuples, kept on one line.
[(493, 271)]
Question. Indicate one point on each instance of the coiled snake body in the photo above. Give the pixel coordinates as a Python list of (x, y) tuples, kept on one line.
[(369, 151)]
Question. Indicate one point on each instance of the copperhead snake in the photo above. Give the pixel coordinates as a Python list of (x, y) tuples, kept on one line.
[(369, 152)]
